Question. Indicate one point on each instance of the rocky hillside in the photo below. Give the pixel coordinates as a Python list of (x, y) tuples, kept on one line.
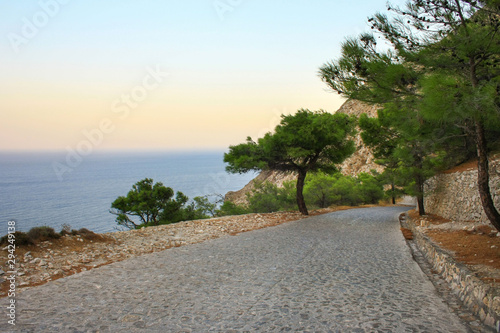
[(360, 161)]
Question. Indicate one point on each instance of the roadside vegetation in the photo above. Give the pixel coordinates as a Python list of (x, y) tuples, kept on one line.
[(321, 190)]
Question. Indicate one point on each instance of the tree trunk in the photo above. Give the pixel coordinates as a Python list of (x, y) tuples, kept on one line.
[(483, 177), (420, 203), (393, 193), (419, 184), (300, 195)]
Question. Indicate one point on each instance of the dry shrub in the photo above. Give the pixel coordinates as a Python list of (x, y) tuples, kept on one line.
[(42, 234), (21, 239), (88, 234)]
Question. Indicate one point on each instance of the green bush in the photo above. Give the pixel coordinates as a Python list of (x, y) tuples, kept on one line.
[(205, 207), (319, 190), (268, 197), (323, 190), (230, 208), (346, 187), (370, 188)]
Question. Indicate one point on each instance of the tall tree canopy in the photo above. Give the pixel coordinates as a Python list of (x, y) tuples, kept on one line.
[(442, 66), (304, 142), (365, 74)]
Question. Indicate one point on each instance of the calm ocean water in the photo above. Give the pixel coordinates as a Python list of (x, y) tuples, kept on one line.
[(32, 194)]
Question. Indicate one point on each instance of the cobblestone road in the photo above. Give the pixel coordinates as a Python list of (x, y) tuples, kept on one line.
[(348, 271)]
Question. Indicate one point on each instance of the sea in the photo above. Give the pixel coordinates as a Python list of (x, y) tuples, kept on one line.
[(57, 189)]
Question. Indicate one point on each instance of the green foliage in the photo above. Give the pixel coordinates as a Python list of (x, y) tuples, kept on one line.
[(230, 208), (149, 204), (320, 191), (268, 197), (145, 201), (204, 207), (347, 190), (305, 142), (370, 188), (323, 190), (395, 183), (264, 198), (410, 148), (174, 210)]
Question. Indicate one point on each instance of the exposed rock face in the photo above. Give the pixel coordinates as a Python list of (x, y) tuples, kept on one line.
[(356, 108), (360, 161)]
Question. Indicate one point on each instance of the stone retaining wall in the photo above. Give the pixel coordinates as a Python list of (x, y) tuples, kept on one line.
[(455, 195), (482, 299)]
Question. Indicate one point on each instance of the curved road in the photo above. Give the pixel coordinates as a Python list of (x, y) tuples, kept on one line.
[(349, 271)]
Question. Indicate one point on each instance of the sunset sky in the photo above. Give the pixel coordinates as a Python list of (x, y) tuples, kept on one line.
[(164, 75)]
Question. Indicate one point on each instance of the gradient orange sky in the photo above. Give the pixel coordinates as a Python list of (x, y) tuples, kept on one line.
[(233, 67)]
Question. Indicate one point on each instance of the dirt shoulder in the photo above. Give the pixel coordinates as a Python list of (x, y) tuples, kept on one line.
[(474, 244)]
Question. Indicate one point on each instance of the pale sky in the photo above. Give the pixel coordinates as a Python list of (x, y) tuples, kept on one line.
[(164, 75)]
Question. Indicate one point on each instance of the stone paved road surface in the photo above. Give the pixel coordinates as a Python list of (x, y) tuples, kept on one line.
[(348, 271)]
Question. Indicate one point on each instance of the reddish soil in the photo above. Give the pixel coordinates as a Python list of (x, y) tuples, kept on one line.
[(473, 248), (470, 165), (479, 246), (407, 233)]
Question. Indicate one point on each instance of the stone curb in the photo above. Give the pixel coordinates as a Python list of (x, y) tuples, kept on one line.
[(480, 298)]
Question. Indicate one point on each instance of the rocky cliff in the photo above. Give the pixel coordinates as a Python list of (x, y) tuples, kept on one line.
[(360, 161)]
